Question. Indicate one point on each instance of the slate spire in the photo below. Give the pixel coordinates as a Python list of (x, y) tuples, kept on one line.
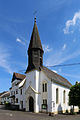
[(35, 41), (35, 50)]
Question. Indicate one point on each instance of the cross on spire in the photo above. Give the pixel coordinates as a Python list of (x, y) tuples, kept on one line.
[(35, 12)]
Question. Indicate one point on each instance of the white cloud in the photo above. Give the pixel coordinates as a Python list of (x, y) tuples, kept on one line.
[(71, 23), (64, 47), (59, 58), (54, 71), (46, 48), (20, 41), (4, 60)]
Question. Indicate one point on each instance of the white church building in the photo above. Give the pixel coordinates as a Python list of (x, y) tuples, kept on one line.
[(40, 89)]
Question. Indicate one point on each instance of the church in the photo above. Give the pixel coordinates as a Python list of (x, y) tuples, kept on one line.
[(40, 89)]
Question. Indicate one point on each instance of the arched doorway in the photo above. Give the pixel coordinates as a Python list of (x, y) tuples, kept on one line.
[(31, 104)]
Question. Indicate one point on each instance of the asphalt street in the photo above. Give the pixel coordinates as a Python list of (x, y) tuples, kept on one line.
[(19, 115)]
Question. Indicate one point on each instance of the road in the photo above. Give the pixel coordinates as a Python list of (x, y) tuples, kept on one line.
[(19, 115)]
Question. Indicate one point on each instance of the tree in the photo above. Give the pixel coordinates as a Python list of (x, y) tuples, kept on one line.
[(74, 95)]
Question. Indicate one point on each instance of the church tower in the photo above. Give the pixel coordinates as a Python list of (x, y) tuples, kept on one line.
[(35, 50)]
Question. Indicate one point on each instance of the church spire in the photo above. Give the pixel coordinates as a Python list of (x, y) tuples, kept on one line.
[(35, 41), (35, 50)]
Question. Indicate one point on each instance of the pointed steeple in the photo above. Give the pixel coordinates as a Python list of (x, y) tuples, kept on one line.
[(35, 41), (35, 50)]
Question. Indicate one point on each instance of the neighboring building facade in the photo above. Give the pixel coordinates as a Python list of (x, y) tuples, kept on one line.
[(4, 97), (14, 90), (40, 89), (0, 96)]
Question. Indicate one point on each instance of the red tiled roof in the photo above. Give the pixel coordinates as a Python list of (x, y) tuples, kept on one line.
[(3, 93), (18, 76), (6, 94)]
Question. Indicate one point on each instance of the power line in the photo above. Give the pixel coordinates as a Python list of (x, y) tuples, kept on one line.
[(64, 65), (21, 70)]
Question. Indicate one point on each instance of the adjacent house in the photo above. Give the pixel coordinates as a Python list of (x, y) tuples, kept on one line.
[(4, 97), (1, 94), (14, 90)]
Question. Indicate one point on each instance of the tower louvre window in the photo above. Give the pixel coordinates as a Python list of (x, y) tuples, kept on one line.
[(35, 52)]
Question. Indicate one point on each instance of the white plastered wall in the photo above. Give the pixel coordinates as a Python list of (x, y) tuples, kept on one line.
[(61, 106), (32, 79), (51, 95)]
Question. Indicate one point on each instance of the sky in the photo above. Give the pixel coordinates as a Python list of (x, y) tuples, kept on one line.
[(58, 23)]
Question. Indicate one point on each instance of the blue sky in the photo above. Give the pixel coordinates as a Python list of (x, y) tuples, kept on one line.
[(58, 24)]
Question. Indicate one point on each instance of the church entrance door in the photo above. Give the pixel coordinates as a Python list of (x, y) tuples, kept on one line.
[(31, 104)]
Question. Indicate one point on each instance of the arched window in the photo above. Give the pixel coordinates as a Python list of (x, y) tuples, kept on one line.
[(44, 87), (57, 95), (64, 96)]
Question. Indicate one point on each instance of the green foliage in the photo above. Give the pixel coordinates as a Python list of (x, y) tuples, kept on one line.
[(6, 103), (74, 95), (72, 112)]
